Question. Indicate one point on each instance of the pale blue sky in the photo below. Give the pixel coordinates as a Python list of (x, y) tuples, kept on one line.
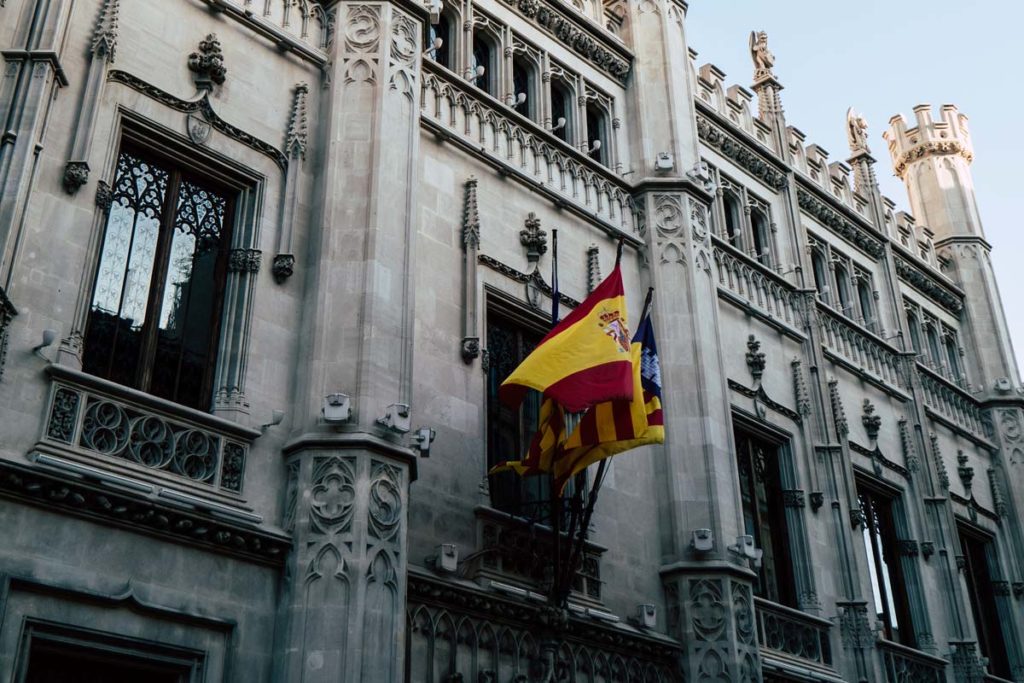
[(882, 58)]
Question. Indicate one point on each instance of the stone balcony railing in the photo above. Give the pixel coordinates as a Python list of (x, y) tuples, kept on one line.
[(458, 111), (945, 399), (756, 286), (132, 433), (903, 664), (299, 26), (866, 353), (788, 634)]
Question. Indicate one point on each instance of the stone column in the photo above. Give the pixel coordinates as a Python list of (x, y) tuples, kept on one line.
[(341, 615), (342, 610), (708, 593)]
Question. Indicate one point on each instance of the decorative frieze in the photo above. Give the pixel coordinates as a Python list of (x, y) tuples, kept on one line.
[(244, 260), (931, 148), (929, 285), (846, 228), (742, 154), (571, 32), (119, 508), (7, 313)]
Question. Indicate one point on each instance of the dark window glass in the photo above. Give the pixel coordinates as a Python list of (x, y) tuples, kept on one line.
[(509, 431), (155, 310), (522, 84), (890, 596), (733, 219), (597, 131), (820, 275), (561, 108), (979, 556), (915, 331), (483, 56), (933, 345), (443, 30), (953, 357), (866, 299), (52, 662), (764, 515), (843, 290), (762, 235)]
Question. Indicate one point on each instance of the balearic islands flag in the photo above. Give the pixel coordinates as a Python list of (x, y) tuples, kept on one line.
[(585, 359), (616, 426)]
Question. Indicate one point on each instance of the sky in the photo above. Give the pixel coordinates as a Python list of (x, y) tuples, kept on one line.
[(883, 58)]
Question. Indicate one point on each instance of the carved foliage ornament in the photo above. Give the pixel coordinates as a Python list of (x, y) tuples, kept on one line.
[(844, 227), (871, 421), (755, 359), (748, 159), (207, 63)]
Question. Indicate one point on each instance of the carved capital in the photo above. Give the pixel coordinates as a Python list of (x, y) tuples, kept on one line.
[(244, 260), (793, 498)]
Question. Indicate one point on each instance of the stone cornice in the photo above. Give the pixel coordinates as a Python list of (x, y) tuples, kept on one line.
[(759, 394), (82, 498), (972, 503), (877, 456), (850, 230), (757, 163), (944, 294), (521, 277), (580, 35)]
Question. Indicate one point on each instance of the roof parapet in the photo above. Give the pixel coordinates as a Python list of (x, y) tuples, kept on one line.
[(947, 135)]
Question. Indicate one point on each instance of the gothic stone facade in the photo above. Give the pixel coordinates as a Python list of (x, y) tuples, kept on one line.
[(248, 248)]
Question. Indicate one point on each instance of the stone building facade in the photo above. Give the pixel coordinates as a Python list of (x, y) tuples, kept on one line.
[(254, 254)]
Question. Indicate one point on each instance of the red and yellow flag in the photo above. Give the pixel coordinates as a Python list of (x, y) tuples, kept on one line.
[(612, 427), (585, 359)]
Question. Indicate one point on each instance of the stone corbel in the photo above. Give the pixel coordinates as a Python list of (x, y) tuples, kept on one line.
[(101, 55), (296, 141)]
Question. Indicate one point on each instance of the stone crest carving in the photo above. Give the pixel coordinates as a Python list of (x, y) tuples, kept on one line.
[(534, 239), (207, 64), (755, 359), (872, 422), (198, 128)]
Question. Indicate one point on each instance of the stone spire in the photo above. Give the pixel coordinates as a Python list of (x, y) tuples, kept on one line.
[(767, 87)]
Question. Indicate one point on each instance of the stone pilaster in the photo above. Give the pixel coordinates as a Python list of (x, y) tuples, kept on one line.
[(342, 611)]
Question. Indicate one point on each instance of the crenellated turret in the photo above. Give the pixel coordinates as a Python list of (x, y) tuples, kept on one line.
[(933, 158)]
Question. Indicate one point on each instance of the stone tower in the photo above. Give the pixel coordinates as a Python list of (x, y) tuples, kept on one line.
[(933, 159)]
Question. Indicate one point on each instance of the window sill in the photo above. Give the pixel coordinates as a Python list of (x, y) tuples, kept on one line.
[(96, 429)]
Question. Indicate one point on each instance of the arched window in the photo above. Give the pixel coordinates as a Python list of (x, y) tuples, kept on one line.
[(524, 83), (762, 237), (484, 55), (915, 331), (820, 274), (932, 336), (843, 290), (443, 30), (597, 131), (561, 109), (952, 357), (733, 218), (866, 298)]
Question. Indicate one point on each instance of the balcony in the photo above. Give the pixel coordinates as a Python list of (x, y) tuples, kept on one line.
[(863, 352), (903, 663), (98, 423), (790, 638)]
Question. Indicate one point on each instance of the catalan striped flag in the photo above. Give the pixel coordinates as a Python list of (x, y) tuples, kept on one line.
[(585, 359), (612, 427)]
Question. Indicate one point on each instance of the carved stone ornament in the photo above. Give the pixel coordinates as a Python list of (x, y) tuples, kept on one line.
[(817, 500), (793, 498), (76, 174), (1018, 589), (871, 421), (755, 359), (854, 628), (927, 549), (283, 267), (965, 473), (533, 238), (907, 548), (698, 220), (207, 64), (104, 195), (849, 230), (856, 132), (471, 217), (244, 260), (298, 125), (470, 348), (857, 518), (838, 413), (593, 268), (909, 452), (940, 464), (739, 152), (800, 392)]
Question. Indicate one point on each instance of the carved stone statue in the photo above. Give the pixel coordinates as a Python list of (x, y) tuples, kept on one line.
[(856, 131), (764, 60)]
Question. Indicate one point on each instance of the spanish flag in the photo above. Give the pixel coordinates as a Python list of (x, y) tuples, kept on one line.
[(585, 359), (612, 427)]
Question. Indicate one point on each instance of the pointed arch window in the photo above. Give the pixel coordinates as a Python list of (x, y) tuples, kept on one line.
[(524, 82), (915, 331), (762, 236), (561, 109), (820, 274), (485, 55), (952, 355), (597, 131), (443, 29), (843, 289), (932, 335), (733, 219)]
